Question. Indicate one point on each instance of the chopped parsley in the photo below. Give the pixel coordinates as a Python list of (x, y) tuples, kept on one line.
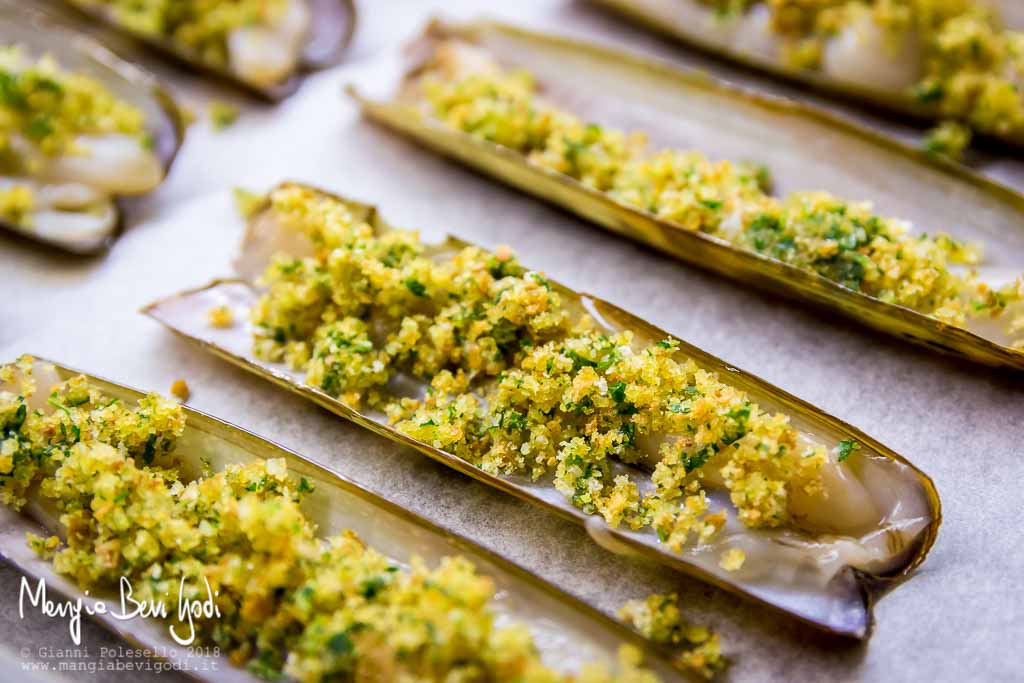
[(416, 287), (222, 114), (150, 450), (699, 459), (618, 392), (847, 447), (340, 644), (514, 421), (53, 401), (629, 431), (371, 587)]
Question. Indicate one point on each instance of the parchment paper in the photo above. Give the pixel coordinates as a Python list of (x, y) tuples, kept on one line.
[(960, 618)]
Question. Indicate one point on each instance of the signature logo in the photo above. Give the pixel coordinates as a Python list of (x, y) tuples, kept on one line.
[(126, 608)]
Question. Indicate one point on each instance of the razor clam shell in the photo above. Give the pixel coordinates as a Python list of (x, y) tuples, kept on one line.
[(843, 607), (76, 52), (332, 27), (568, 632), (662, 17), (1011, 12), (805, 148)]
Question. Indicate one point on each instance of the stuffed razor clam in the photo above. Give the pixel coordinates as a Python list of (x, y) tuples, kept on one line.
[(78, 129), (313, 578), (262, 44), (568, 402), (497, 98), (961, 59)]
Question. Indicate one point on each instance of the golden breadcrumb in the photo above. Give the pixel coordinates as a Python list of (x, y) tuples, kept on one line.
[(291, 603), (659, 618), (732, 559), (220, 316), (180, 389), (971, 64), (844, 241), (519, 384)]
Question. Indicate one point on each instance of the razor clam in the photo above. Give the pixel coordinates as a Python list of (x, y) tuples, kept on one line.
[(268, 61), (568, 632), (679, 109), (860, 61), (77, 194), (878, 523)]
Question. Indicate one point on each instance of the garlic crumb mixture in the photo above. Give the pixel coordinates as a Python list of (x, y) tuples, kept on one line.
[(658, 618), (519, 384), (958, 56), (258, 40), (290, 602), (844, 241), (67, 142)]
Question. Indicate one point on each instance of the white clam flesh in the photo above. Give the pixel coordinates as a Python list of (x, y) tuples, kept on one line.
[(867, 56), (73, 192), (862, 54), (113, 164), (754, 36), (868, 515), (265, 55), (66, 212)]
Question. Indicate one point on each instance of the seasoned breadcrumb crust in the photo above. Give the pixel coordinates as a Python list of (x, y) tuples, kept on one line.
[(47, 106), (201, 26), (43, 111), (842, 240), (290, 602), (972, 65), (659, 618), (518, 383)]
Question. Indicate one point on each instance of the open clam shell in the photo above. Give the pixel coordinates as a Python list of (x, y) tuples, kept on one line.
[(806, 574), (332, 24), (747, 39), (90, 231), (803, 147), (567, 631)]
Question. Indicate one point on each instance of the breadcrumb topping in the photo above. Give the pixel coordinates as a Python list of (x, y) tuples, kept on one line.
[(179, 388), (47, 107), (201, 26), (518, 383), (45, 112), (291, 602), (16, 204), (842, 240), (659, 618), (732, 559), (972, 65), (220, 316)]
